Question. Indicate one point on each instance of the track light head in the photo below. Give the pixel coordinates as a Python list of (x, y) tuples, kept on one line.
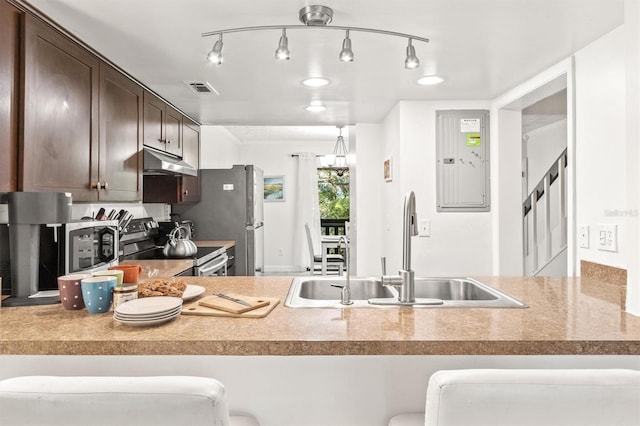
[(412, 60), (282, 52), (215, 56), (346, 54)]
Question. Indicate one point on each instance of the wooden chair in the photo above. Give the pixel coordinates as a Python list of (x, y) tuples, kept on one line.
[(335, 262)]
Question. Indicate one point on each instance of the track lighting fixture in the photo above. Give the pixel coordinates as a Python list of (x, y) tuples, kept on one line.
[(412, 60), (316, 17), (346, 54), (282, 52), (215, 55)]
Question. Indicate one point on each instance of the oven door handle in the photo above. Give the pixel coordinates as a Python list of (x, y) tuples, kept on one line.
[(217, 265)]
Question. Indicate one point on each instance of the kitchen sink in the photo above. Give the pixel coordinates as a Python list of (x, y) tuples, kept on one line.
[(324, 292)]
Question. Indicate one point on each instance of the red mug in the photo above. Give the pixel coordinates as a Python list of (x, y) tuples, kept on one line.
[(131, 272)]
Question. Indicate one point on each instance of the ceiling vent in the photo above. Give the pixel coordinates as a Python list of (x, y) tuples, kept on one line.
[(201, 87)]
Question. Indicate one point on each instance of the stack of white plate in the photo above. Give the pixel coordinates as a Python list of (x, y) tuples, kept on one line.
[(148, 310)]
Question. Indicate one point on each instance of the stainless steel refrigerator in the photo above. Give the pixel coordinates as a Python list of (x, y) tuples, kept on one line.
[(231, 208)]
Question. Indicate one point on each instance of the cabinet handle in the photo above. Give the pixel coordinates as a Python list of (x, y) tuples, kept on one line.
[(106, 186), (97, 186), (168, 140), (186, 192)]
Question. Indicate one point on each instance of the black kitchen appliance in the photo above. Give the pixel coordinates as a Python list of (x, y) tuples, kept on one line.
[(142, 238), (49, 250), (29, 216)]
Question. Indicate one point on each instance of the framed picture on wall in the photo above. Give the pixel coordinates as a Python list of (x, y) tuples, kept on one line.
[(274, 188), (388, 169)]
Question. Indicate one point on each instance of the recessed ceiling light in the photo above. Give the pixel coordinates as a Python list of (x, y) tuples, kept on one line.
[(315, 106), (316, 82), (429, 80)]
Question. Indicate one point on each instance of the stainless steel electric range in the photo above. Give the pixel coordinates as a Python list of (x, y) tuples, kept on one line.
[(144, 239)]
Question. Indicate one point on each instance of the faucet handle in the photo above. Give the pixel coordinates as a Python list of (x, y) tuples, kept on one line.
[(383, 263)]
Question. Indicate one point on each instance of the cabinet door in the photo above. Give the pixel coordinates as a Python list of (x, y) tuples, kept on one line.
[(121, 104), (173, 135), (190, 188), (154, 122), (9, 79), (60, 135)]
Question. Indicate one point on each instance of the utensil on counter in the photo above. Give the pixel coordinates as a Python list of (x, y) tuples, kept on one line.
[(216, 307), (124, 221), (178, 245), (233, 299), (100, 215)]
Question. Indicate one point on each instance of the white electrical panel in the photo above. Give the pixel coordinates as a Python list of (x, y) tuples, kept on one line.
[(462, 153)]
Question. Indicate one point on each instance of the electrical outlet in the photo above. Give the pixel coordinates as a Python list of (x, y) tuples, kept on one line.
[(608, 237), (584, 236), (424, 228)]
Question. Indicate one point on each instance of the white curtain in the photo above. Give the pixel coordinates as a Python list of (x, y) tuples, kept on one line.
[(307, 210)]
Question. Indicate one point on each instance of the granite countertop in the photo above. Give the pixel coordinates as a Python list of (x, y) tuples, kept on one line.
[(565, 316), (171, 267), (225, 244)]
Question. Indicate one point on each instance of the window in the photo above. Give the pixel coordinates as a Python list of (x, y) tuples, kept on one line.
[(333, 195)]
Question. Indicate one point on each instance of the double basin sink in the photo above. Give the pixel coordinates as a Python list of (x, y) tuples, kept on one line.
[(324, 292)]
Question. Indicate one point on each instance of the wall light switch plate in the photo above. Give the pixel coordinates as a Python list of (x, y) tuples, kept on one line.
[(608, 237), (424, 228), (584, 236)]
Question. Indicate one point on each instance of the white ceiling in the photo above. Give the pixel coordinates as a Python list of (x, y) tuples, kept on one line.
[(481, 47)]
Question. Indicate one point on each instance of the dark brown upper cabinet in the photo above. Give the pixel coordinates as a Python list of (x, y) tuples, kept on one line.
[(178, 189), (191, 154), (9, 95), (60, 133), (162, 125), (120, 165)]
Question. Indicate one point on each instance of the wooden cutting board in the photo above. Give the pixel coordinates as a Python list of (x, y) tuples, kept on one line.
[(260, 311)]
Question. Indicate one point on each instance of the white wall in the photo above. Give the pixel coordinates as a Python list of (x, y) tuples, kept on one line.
[(506, 172), (632, 42), (218, 148), (460, 243), (368, 200), (601, 179), (279, 217)]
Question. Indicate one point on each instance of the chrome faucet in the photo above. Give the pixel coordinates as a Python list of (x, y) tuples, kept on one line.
[(406, 278), (346, 289)]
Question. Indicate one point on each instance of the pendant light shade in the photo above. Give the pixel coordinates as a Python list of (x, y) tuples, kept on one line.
[(282, 52), (215, 55), (412, 60), (346, 54), (340, 152)]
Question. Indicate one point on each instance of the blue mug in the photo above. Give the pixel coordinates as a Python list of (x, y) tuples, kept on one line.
[(97, 293)]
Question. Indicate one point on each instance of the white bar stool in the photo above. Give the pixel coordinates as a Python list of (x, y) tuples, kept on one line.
[(86, 400), (529, 397)]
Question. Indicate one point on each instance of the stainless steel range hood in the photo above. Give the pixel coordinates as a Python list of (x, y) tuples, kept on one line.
[(160, 163)]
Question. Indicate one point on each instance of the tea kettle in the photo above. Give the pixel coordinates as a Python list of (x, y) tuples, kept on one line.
[(179, 244)]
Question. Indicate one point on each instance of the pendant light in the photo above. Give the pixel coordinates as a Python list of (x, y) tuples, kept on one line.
[(340, 152)]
